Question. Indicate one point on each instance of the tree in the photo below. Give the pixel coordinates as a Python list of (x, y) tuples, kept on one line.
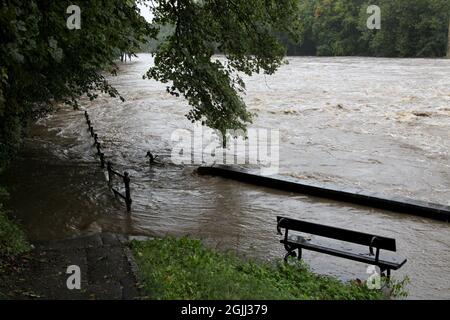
[(43, 62), (335, 27), (244, 31), (410, 28)]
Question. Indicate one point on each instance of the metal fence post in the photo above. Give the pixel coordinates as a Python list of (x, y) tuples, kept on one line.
[(102, 159), (111, 172), (126, 180)]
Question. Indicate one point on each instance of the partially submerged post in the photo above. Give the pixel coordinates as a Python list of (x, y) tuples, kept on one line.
[(102, 159), (126, 181), (151, 158)]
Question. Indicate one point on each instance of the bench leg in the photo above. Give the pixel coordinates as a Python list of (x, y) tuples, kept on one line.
[(299, 257), (386, 273), (289, 254)]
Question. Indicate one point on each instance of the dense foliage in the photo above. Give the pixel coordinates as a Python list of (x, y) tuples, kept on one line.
[(43, 62), (244, 31), (185, 269), (409, 28), (12, 238)]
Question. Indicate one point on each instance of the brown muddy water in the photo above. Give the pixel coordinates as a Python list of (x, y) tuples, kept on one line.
[(379, 125)]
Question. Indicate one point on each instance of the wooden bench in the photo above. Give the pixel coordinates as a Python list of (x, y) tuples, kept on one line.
[(293, 242)]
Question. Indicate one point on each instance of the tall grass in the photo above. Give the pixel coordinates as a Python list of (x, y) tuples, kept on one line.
[(184, 269)]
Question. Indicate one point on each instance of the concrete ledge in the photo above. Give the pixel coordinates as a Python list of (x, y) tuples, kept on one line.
[(396, 204)]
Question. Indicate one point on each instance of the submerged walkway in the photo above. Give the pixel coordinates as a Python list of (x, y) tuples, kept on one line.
[(107, 270), (397, 204)]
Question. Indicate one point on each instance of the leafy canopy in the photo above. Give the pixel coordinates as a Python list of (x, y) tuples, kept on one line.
[(244, 31), (43, 62)]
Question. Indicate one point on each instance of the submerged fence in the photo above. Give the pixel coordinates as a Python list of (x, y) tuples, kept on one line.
[(126, 180), (109, 167)]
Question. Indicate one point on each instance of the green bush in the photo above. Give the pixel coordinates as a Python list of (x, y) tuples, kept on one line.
[(184, 269), (12, 238)]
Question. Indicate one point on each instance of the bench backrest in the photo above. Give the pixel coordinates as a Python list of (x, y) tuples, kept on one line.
[(337, 233)]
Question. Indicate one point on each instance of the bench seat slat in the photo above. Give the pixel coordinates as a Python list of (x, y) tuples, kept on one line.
[(342, 254), (337, 233)]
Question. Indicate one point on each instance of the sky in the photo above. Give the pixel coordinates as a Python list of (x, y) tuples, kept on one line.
[(145, 12)]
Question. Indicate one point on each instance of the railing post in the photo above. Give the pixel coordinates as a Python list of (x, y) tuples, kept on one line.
[(109, 168), (126, 180), (102, 160)]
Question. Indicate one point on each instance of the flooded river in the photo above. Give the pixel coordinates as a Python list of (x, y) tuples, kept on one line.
[(378, 125)]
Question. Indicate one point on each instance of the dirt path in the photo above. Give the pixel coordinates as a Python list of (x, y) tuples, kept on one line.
[(107, 270)]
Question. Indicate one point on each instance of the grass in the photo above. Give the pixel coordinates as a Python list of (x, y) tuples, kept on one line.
[(184, 269)]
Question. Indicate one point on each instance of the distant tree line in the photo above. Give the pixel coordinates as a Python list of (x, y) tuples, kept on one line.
[(409, 28)]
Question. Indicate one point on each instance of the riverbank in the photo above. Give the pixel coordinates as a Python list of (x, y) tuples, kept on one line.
[(183, 268), (166, 269)]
